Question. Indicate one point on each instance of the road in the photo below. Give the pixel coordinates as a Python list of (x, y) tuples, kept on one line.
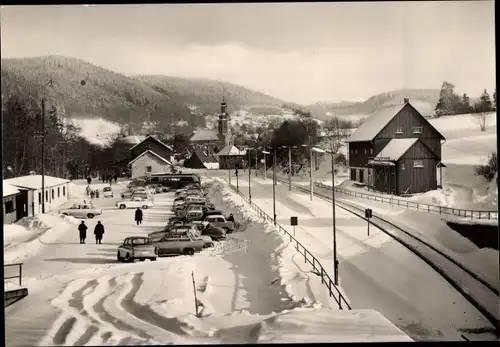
[(376, 272), (79, 294)]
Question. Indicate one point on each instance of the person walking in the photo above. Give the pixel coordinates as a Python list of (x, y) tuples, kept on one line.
[(115, 177), (82, 228), (138, 216), (98, 232)]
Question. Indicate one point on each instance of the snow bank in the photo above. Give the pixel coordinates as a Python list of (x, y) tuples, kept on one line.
[(26, 238), (301, 283)]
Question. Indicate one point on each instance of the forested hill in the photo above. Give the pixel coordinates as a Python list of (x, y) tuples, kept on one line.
[(119, 98)]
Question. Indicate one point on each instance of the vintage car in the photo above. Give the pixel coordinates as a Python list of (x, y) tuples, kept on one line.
[(196, 214), (219, 220), (176, 243), (81, 210), (207, 229), (107, 192), (175, 219), (134, 203), (136, 247)]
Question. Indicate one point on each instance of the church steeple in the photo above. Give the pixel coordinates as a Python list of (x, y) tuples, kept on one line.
[(224, 122), (223, 107)]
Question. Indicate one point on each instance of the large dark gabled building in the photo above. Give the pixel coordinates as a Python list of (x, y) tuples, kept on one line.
[(397, 151)]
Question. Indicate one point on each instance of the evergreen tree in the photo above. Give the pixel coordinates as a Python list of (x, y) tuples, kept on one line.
[(465, 106), (484, 104), (449, 102)]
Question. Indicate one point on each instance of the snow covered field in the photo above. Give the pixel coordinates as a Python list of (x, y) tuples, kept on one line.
[(247, 290), (375, 271), (95, 130)]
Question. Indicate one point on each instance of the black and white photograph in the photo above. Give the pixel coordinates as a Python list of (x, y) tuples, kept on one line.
[(239, 173)]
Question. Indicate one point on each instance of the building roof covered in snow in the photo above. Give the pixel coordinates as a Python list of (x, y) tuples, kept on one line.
[(151, 153), (375, 123), (379, 119), (396, 148), (205, 135), (230, 150), (35, 181), (151, 137), (9, 190)]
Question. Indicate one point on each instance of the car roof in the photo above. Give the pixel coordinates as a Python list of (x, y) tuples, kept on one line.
[(215, 215), (136, 237)]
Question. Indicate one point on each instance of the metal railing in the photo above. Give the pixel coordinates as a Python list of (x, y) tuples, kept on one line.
[(19, 275), (472, 214), (308, 256)]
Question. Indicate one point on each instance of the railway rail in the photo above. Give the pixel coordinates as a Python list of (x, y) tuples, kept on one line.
[(482, 295)]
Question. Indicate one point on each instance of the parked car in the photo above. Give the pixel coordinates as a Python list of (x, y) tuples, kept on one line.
[(207, 229), (194, 215), (172, 244), (136, 247), (107, 192), (134, 203), (81, 210), (175, 219), (220, 221)]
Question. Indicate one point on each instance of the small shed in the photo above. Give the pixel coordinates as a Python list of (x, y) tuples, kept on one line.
[(229, 156), (10, 195), (201, 160), (148, 162)]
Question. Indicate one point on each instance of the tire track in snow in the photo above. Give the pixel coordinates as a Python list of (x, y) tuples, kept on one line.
[(308, 281)]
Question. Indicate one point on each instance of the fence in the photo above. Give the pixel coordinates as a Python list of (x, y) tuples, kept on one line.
[(19, 275), (472, 214), (308, 257)]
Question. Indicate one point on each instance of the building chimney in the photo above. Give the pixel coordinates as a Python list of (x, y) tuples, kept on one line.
[(406, 100)]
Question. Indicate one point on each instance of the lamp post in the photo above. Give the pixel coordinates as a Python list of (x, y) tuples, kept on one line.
[(274, 186), (265, 169), (249, 177), (335, 261)]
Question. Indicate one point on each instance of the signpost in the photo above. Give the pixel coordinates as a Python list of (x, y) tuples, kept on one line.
[(294, 221), (237, 180), (368, 215)]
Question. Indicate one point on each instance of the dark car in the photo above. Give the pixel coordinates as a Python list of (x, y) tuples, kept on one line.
[(174, 219), (214, 232)]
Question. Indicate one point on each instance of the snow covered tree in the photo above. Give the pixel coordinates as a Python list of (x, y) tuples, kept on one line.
[(465, 106), (449, 102)]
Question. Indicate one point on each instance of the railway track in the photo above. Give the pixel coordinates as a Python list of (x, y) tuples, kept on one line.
[(478, 292)]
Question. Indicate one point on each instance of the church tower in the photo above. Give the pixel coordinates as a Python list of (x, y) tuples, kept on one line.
[(224, 123)]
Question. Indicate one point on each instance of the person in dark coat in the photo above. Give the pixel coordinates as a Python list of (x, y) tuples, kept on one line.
[(138, 216), (230, 218), (115, 177), (98, 232), (82, 228), (89, 180)]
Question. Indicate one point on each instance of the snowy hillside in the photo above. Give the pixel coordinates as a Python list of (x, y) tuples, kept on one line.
[(95, 130)]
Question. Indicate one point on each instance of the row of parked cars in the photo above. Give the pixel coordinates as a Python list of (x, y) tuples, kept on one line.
[(196, 225), (137, 195)]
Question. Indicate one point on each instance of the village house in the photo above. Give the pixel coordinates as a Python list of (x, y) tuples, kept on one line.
[(397, 151), (153, 144), (229, 157), (29, 202), (11, 200), (201, 160), (148, 162)]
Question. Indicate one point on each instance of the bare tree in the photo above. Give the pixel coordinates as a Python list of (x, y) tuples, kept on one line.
[(481, 118)]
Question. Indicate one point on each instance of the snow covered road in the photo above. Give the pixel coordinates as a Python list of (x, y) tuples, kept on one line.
[(80, 294), (375, 272)]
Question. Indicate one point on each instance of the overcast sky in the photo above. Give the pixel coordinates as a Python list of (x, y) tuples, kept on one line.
[(302, 52)]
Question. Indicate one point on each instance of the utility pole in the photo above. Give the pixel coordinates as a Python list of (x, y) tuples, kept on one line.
[(249, 177), (43, 155), (274, 186), (289, 169), (311, 172)]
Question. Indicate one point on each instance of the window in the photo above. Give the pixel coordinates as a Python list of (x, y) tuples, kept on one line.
[(64, 191), (418, 163), (403, 166), (355, 151), (366, 152), (46, 195), (53, 193), (399, 130), (9, 206), (371, 150), (58, 191), (417, 130), (351, 151), (39, 198), (148, 169)]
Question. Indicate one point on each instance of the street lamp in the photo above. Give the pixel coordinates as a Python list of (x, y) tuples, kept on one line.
[(265, 169), (274, 186), (311, 185), (335, 260)]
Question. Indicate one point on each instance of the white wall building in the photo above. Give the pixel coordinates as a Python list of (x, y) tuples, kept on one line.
[(56, 192), (149, 162)]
